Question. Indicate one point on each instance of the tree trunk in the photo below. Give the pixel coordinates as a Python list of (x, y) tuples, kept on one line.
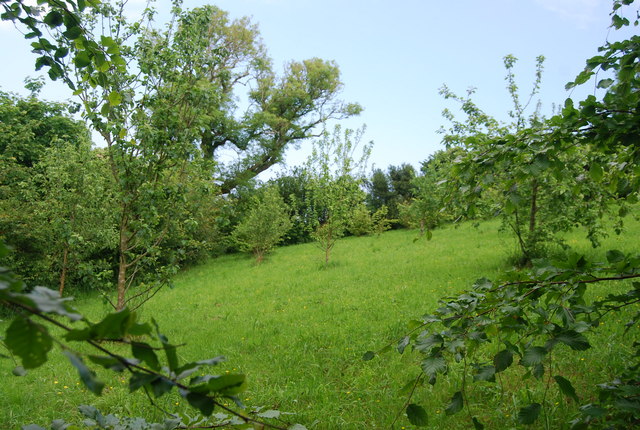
[(63, 273), (122, 267), (122, 282), (534, 206)]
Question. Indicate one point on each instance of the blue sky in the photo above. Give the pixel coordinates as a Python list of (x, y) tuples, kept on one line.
[(395, 55)]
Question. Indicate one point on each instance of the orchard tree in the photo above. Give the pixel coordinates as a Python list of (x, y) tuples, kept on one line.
[(294, 189), (379, 190), (533, 324), (425, 209), (73, 194), (334, 185), (161, 98), (392, 189), (264, 225), (517, 171), (55, 195)]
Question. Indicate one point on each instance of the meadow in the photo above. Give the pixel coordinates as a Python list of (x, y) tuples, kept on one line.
[(298, 330)]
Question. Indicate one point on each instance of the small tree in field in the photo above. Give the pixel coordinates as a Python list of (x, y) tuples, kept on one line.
[(334, 185), (265, 225), (361, 223)]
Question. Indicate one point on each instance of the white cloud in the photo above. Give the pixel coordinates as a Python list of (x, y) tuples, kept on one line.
[(581, 12)]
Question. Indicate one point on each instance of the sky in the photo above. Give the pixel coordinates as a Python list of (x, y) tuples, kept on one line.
[(394, 57)]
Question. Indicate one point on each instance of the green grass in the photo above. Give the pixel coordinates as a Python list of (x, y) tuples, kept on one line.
[(298, 330)]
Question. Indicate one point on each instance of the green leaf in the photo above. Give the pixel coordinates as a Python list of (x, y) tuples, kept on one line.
[(573, 340), (605, 83), (169, 350), (53, 19), (270, 414), (29, 341), (427, 343), (139, 380), (78, 334), (61, 52), (485, 373), (538, 371), (73, 33), (90, 412), (227, 385), (49, 301), (19, 371), (144, 352), (43, 61), (190, 368), (592, 410), (87, 376), (477, 425), (529, 414), (566, 388), (533, 355), (402, 344), (457, 402), (113, 326), (82, 60), (108, 362), (596, 172), (161, 386), (433, 365), (417, 415), (138, 329), (201, 402), (503, 360), (369, 355), (615, 256)]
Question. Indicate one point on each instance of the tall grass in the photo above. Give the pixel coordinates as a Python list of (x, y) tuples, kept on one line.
[(298, 329)]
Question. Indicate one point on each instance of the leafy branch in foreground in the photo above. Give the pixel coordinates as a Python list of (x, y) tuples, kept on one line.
[(154, 365), (518, 327)]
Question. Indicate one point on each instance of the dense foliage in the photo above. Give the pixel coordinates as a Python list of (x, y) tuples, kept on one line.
[(55, 194), (555, 173), (264, 224), (159, 195)]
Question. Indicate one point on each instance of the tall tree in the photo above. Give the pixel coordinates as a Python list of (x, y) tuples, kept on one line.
[(379, 190), (162, 98), (54, 194)]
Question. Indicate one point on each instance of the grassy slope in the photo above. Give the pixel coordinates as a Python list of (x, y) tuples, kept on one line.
[(298, 329)]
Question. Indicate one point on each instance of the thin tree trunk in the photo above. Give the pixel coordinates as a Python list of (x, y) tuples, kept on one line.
[(122, 282), (63, 273), (122, 266), (534, 206)]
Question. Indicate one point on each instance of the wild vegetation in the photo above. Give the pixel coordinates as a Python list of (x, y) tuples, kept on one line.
[(118, 223)]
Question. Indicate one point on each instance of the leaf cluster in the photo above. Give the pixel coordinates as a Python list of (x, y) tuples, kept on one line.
[(521, 324)]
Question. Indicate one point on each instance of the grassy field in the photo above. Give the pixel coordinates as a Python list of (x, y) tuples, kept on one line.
[(298, 330)]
